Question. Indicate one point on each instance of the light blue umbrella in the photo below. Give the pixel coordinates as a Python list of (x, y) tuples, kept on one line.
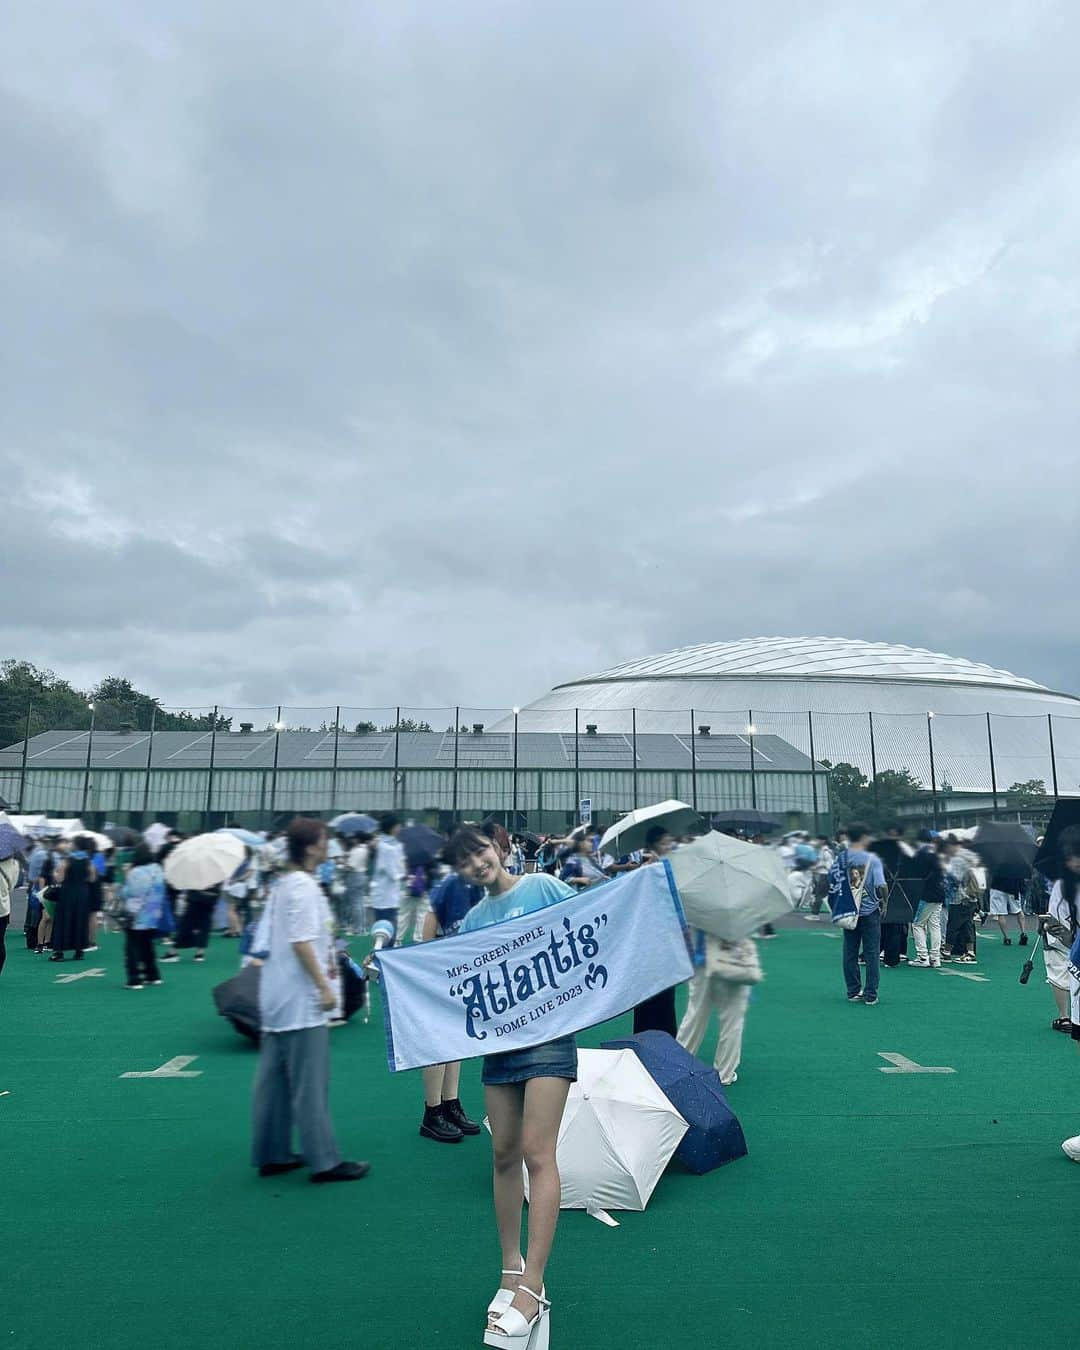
[(11, 841), (353, 822), (248, 837)]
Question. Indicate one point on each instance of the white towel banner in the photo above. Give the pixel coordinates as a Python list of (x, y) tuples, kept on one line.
[(530, 980)]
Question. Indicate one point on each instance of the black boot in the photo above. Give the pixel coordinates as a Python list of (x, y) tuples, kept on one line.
[(1023, 939), (436, 1126), (454, 1112)]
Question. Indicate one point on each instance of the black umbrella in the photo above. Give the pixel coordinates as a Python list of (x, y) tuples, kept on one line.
[(422, 844), (1066, 816), (747, 819), (121, 836), (238, 1000), (1007, 850)]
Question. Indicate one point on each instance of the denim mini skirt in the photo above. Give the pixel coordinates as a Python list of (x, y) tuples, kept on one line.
[(556, 1059)]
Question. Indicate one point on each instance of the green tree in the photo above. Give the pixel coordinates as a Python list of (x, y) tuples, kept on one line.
[(1020, 796), (855, 797)]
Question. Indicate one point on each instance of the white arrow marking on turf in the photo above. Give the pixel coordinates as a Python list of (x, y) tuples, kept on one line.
[(80, 975), (901, 1064), (172, 1068), (964, 975)]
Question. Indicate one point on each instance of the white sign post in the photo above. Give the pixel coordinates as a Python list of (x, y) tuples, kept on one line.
[(585, 811)]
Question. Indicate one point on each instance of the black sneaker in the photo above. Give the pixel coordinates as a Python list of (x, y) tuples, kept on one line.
[(1023, 939), (344, 1171), (199, 956), (134, 984), (870, 1000), (170, 959), (855, 998), (439, 1127), (454, 1112)]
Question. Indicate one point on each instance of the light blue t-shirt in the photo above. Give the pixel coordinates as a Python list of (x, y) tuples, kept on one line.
[(532, 892)]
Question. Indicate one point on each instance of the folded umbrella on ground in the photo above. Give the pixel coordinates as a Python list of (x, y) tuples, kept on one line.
[(728, 886), (629, 834), (714, 1136), (204, 861)]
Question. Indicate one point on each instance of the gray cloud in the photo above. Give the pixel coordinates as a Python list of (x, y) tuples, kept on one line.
[(439, 355)]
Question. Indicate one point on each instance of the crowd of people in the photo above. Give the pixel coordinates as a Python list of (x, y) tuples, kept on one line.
[(303, 890)]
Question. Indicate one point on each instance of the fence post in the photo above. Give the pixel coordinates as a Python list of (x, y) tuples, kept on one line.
[(993, 767), (514, 789), (273, 771), (334, 769), (149, 762), (210, 770), (25, 755), (633, 749), (753, 767), (693, 760), (933, 772), (86, 769), (577, 762), (397, 758), (457, 729), (1053, 757), (813, 772)]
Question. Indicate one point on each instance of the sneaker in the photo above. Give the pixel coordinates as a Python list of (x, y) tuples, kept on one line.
[(136, 985), (1071, 1148), (935, 965), (870, 1000), (920, 963), (1023, 939), (95, 948), (855, 998), (171, 959), (155, 981), (727, 1082), (199, 956), (438, 1127), (344, 1171), (454, 1112), (967, 960)]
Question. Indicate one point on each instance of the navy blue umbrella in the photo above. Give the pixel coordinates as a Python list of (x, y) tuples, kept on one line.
[(694, 1089), (11, 841)]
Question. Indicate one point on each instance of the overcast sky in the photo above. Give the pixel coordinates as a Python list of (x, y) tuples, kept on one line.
[(437, 353)]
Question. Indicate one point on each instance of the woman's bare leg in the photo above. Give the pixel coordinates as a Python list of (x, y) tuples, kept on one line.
[(434, 1077), (505, 1104), (545, 1100), (451, 1080)]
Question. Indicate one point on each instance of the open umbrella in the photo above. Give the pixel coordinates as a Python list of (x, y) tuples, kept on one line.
[(694, 1089), (354, 822), (204, 861), (617, 1135), (628, 834), (156, 834), (746, 819), (248, 837), (422, 844), (11, 841), (121, 835), (1066, 816), (729, 887), (102, 842), (1006, 849)]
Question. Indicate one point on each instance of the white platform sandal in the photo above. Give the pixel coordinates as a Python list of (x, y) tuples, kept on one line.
[(503, 1297), (512, 1330)]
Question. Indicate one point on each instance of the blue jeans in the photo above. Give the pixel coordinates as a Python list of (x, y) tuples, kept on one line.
[(867, 935)]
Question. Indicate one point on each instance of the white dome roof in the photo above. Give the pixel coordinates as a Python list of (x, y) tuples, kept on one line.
[(813, 657)]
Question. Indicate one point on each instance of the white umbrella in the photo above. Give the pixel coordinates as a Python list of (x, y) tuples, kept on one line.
[(628, 834), (617, 1135), (156, 834), (204, 861), (729, 887), (101, 841)]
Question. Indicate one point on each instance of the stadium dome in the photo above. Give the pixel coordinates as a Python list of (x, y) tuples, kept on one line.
[(989, 726)]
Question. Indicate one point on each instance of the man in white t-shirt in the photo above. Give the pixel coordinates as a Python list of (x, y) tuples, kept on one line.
[(296, 996)]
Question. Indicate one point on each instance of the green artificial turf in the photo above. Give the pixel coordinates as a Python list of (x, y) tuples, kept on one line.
[(874, 1210)]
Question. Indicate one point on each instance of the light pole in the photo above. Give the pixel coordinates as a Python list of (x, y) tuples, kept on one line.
[(86, 768)]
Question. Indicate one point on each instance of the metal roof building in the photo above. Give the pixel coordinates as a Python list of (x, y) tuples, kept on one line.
[(967, 726), (250, 776)]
